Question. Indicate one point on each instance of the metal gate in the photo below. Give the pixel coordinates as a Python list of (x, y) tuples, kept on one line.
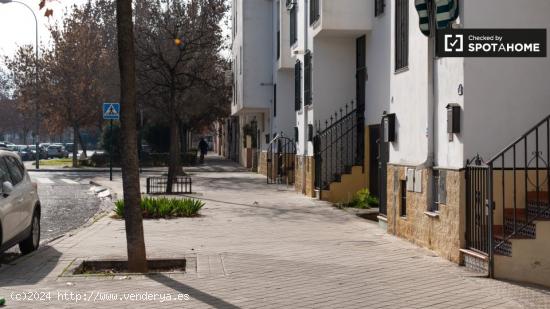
[(281, 155), (477, 211)]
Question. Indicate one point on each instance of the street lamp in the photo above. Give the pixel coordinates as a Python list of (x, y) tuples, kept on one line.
[(36, 115)]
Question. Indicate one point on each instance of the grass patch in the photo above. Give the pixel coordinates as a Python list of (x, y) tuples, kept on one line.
[(56, 162), (162, 207), (363, 199)]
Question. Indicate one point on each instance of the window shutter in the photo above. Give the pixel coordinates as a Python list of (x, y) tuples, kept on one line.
[(298, 86), (293, 26), (307, 79), (379, 6)]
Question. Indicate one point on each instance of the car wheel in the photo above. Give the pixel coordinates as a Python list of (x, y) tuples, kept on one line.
[(32, 242)]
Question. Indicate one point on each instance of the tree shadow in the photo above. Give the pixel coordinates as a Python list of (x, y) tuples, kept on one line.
[(192, 292), (17, 269)]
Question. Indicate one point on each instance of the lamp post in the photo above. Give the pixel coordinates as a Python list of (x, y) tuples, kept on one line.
[(36, 115)]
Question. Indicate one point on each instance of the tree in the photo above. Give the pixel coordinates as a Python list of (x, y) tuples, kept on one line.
[(137, 258), (178, 44), (137, 261)]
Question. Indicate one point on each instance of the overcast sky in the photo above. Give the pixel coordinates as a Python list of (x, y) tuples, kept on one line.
[(17, 23)]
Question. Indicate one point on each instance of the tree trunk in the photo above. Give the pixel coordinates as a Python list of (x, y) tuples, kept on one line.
[(75, 148), (137, 258), (82, 144), (174, 165)]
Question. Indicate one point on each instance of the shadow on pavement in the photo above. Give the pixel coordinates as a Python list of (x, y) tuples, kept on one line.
[(17, 269), (194, 293)]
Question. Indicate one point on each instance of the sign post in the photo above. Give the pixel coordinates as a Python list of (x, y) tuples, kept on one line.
[(111, 111)]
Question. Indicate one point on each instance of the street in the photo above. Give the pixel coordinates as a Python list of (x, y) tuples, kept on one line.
[(67, 204)]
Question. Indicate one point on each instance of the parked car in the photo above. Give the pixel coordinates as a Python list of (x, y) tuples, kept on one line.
[(3, 146), (69, 147), (19, 206), (57, 151), (9, 145), (43, 152), (24, 152)]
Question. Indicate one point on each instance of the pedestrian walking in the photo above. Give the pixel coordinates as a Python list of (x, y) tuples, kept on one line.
[(203, 148)]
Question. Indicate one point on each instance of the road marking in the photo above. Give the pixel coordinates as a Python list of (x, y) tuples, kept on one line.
[(71, 182), (44, 181)]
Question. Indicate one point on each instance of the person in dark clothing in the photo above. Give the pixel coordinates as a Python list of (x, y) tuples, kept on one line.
[(203, 148)]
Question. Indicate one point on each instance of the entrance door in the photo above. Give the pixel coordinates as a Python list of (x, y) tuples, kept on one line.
[(374, 180), (360, 92), (383, 158)]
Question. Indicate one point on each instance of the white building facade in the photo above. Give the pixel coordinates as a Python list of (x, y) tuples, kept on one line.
[(358, 88)]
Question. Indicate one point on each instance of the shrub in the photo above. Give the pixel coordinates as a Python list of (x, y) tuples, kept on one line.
[(363, 199), (162, 207)]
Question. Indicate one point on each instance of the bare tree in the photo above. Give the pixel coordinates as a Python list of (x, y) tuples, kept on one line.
[(178, 45), (137, 258)]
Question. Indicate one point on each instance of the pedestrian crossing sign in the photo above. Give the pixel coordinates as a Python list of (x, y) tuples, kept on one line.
[(111, 111)]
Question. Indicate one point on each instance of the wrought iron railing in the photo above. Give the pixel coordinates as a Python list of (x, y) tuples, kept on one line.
[(281, 160), (158, 185), (339, 146), (509, 192)]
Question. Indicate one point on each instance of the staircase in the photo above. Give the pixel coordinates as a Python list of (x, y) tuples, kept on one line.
[(339, 155), (525, 256), (515, 183), (343, 189)]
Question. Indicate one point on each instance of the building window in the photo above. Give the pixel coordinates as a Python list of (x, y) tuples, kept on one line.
[(440, 190), (401, 34), (403, 198), (298, 85), (307, 79), (314, 11), (296, 134), (278, 45), (275, 100), (293, 26), (379, 6)]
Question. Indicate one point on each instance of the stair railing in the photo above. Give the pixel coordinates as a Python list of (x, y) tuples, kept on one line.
[(519, 175), (338, 146)]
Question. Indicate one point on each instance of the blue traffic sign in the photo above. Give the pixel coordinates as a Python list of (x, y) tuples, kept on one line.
[(111, 111)]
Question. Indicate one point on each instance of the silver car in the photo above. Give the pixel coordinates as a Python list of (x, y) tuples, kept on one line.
[(19, 206)]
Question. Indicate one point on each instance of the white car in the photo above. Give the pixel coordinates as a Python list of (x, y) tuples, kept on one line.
[(19, 206)]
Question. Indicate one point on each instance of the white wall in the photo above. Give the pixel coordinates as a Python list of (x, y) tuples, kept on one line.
[(378, 67), (409, 97), (285, 121), (254, 45), (345, 16), (504, 97)]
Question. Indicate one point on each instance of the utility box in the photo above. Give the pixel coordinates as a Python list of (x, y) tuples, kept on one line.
[(389, 128), (410, 180), (453, 118)]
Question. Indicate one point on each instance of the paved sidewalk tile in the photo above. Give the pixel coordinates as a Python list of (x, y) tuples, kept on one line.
[(258, 246)]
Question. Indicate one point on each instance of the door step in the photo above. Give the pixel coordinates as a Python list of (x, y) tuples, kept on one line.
[(475, 261)]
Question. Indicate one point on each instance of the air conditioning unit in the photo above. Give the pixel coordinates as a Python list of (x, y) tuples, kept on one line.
[(290, 4)]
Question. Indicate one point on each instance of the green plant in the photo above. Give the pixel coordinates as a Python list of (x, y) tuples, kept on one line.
[(363, 199), (162, 207)]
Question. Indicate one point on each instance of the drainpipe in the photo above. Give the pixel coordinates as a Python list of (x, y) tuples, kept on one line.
[(305, 125), (431, 130)]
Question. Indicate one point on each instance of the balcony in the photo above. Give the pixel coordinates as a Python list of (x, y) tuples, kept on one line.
[(342, 17)]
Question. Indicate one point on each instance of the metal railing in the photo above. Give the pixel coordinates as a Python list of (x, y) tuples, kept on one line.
[(339, 146), (180, 185), (509, 192), (281, 156)]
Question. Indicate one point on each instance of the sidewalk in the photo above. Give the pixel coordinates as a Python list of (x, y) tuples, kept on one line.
[(262, 246), (214, 163)]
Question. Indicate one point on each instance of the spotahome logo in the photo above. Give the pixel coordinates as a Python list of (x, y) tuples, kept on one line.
[(491, 43)]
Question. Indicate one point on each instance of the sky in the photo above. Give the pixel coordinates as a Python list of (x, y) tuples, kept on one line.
[(17, 25)]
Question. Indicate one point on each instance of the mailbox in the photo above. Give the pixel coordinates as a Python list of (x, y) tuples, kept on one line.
[(389, 128), (453, 118)]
